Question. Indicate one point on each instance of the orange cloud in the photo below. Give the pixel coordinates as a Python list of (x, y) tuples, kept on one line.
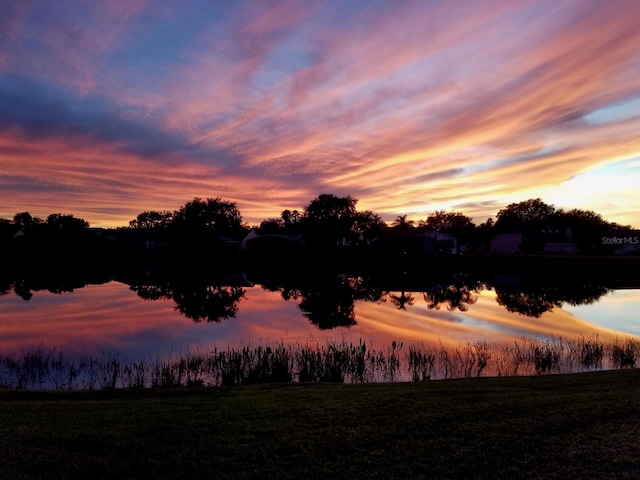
[(408, 108)]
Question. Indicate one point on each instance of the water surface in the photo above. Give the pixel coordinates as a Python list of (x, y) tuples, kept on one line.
[(154, 319)]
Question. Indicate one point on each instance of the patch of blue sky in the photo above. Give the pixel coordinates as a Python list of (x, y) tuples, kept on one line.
[(616, 311), (615, 112), (21, 183), (42, 110), (468, 319), (26, 100), (444, 174), (618, 170), (286, 60), (339, 12), (511, 160), (162, 41)]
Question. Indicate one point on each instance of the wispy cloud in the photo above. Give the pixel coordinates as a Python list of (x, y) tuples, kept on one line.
[(409, 108)]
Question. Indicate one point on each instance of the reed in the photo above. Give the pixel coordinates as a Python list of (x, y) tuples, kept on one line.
[(421, 363), (332, 361), (624, 352)]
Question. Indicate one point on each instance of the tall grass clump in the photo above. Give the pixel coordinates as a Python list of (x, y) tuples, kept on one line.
[(624, 353), (109, 370), (513, 359), (421, 363), (585, 353), (358, 358), (547, 356), (252, 365), (329, 363)]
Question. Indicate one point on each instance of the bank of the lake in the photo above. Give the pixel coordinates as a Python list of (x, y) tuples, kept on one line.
[(560, 426)]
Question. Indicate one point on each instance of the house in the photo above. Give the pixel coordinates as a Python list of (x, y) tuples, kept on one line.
[(250, 236), (444, 243), (255, 242), (229, 243), (141, 241), (563, 248), (507, 243), (397, 243), (547, 240), (552, 241)]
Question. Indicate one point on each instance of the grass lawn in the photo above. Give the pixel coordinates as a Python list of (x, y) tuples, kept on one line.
[(562, 426)]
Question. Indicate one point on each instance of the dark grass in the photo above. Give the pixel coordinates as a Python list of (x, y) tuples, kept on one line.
[(582, 426)]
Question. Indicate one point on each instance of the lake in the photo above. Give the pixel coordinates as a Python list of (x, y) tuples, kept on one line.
[(151, 315)]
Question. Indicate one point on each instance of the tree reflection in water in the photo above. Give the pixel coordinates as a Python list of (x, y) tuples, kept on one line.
[(328, 309), (400, 301), (530, 304), (533, 302), (197, 301), (209, 303), (23, 289), (153, 292), (455, 297), (325, 297), (327, 301)]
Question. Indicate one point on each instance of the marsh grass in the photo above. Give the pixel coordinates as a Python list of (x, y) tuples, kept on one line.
[(624, 353), (309, 362)]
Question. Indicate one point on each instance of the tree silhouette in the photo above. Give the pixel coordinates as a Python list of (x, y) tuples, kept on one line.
[(328, 220), (290, 218), (201, 229), (152, 219), (586, 225), (66, 223), (24, 220), (271, 226), (213, 215), (402, 224), (529, 213), (368, 225), (452, 223)]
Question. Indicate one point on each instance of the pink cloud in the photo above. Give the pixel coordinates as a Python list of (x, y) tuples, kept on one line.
[(401, 107), (66, 44)]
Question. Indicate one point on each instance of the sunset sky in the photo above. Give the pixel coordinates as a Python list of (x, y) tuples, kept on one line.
[(111, 108)]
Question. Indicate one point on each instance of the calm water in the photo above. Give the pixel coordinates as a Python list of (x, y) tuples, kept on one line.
[(148, 319)]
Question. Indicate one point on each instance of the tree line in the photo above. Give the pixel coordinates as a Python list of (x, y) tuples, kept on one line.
[(327, 220)]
